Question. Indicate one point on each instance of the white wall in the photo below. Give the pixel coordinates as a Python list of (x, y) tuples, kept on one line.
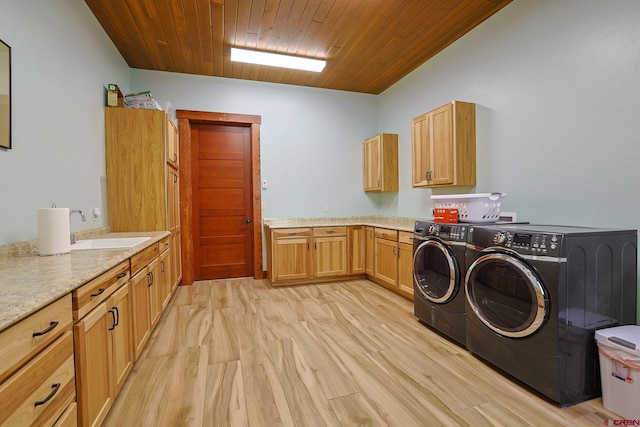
[(557, 88), (61, 61), (311, 139)]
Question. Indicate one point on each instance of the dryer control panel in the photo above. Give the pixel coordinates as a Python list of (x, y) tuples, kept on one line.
[(447, 232), (547, 244)]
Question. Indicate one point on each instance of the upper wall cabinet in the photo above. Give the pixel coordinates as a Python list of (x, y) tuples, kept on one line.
[(139, 150), (444, 146), (381, 163)]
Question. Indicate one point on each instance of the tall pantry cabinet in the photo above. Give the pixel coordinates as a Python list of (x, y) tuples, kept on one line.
[(142, 176)]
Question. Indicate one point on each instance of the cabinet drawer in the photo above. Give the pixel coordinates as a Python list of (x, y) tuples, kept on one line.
[(280, 233), (405, 237), (41, 391), (92, 293), (329, 231), (385, 233), (141, 259), (163, 244), (18, 342), (69, 418)]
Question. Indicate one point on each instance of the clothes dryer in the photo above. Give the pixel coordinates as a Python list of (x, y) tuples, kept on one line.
[(535, 294), (438, 277)]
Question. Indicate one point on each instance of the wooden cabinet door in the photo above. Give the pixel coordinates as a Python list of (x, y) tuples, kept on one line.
[(441, 145), (119, 307), (171, 141), (421, 150), (173, 207), (386, 261), (94, 378), (291, 258), (164, 271), (176, 258), (369, 264), (372, 164), (155, 291), (444, 146), (356, 253), (381, 163), (405, 268), (141, 312), (136, 161), (330, 256)]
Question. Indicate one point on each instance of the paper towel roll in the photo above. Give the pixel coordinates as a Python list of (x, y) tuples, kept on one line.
[(53, 231)]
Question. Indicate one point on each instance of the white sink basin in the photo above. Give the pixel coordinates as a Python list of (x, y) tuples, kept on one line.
[(112, 243)]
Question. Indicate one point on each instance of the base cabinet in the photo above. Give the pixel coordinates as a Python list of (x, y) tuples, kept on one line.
[(146, 305), (329, 251), (40, 392), (370, 244), (64, 365), (165, 276), (121, 336), (405, 263), (102, 342), (313, 254), (290, 254), (94, 366), (115, 315), (316, 254), (356, 249), (392, 253), (386, 256)]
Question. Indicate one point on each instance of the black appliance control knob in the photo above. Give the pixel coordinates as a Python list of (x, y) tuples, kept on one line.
[(432, 229), (499, 238)]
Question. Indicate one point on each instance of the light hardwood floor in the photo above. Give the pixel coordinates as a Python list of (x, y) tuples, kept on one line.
[(241, 353)]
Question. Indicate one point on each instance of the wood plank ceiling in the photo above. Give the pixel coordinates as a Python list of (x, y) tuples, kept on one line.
[(369, 44)]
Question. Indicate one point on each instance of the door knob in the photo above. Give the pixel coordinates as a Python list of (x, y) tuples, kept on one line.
[(248, 220)]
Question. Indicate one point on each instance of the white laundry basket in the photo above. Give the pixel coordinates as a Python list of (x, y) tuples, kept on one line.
[(481, 207), (619, 356)]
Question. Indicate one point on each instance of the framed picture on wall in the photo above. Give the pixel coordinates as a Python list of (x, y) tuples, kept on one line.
[(5, 95)]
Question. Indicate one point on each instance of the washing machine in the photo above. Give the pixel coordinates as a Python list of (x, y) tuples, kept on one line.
[(535, 294), (438, 277)]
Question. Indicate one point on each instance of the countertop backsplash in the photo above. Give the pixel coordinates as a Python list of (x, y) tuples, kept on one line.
[(30, 247)]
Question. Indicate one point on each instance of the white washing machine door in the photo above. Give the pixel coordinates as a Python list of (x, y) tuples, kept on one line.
[(435, 271), (506, 294)]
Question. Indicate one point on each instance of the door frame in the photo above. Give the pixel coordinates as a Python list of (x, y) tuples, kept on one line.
[(185, 119)]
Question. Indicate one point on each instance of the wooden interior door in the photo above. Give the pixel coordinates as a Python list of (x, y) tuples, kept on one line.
[(222, 214)]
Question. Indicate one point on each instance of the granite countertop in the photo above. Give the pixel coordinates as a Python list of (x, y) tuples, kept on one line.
[(393, 222), (29, 282)]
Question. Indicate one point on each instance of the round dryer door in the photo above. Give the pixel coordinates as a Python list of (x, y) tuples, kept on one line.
[(506, 294), (435, 271)]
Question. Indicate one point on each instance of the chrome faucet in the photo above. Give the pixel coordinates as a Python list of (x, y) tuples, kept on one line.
[(84, 219)]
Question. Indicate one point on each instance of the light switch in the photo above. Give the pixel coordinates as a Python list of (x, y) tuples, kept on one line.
[(264, 184)]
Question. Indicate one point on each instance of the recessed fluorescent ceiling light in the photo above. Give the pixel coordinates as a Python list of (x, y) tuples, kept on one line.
[(277, 60)]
